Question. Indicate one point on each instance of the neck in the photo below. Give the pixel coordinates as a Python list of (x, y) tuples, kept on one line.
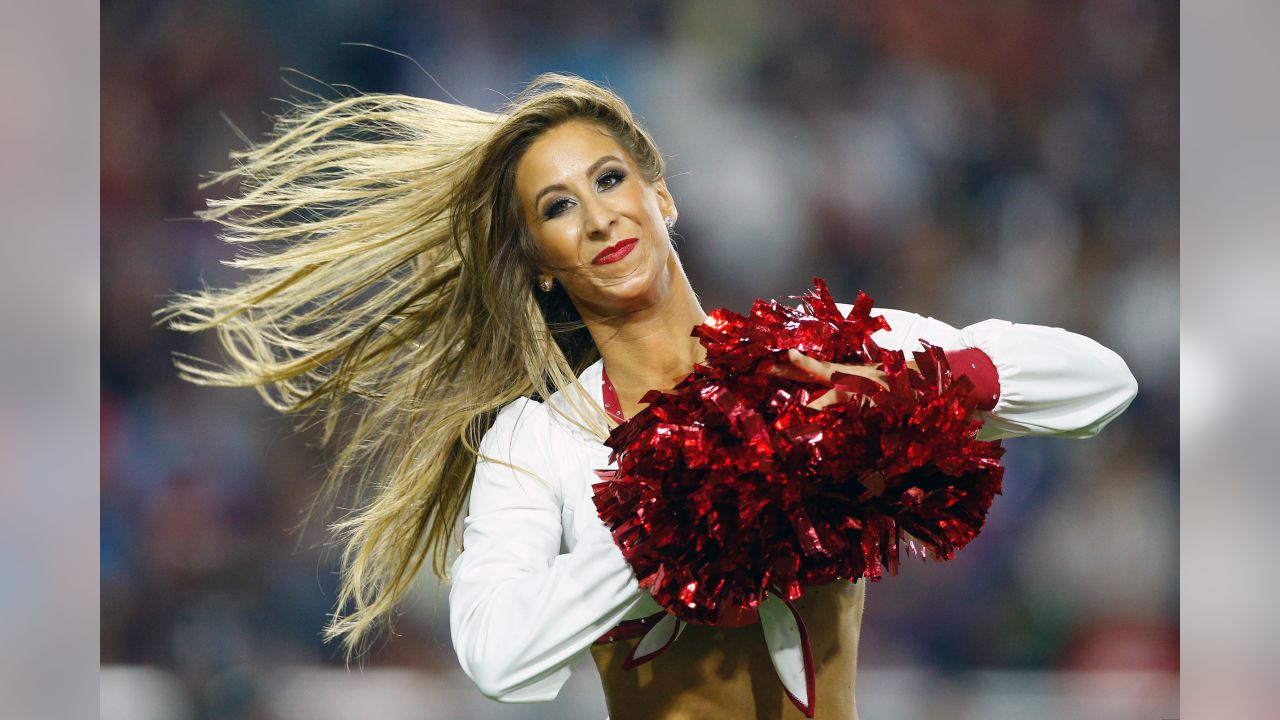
[(650, 347)]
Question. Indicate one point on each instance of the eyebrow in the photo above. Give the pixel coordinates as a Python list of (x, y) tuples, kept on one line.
[(558, 186)]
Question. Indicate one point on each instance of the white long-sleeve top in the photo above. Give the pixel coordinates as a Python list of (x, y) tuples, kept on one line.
[(540, 579)]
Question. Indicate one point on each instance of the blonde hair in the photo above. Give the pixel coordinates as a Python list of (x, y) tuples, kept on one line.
[(388, 262)]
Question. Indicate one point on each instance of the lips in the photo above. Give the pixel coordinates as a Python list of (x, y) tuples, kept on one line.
[(615, 252)]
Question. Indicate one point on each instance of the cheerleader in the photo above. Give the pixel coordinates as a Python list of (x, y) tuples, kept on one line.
[(495, 292)]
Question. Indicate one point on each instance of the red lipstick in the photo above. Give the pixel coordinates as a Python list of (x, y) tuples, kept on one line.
[(615, 252)]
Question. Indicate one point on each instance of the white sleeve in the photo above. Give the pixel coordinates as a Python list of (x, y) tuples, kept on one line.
[(522, 614), (1052, 382)]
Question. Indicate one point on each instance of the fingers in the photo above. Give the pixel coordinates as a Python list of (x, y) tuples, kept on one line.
[(828, 397), (802, 368), (815, 368), (847, 381), (869, 382), (791, 373), (837, 397)]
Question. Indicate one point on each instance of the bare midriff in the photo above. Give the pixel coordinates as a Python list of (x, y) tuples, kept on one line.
[(713, 673)]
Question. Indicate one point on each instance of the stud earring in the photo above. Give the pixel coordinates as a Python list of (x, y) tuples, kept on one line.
[(546, 284), (670, 222)]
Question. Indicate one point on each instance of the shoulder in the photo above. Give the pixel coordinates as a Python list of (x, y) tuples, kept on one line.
[(519, 427), (515, 457), (562, 423), (575, 412), (535, 432)]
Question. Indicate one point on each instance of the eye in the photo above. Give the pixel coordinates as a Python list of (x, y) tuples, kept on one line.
[(555, 207), (609, 179)]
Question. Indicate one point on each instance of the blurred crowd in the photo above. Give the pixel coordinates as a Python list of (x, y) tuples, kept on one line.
[(1013, 159)]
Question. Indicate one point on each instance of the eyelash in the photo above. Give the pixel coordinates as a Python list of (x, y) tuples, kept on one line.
[(555, 207)]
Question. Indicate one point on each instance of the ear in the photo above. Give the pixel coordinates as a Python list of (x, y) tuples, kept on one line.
[(666, 203)]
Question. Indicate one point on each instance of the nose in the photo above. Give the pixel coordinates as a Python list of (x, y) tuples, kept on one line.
[(598, 218)]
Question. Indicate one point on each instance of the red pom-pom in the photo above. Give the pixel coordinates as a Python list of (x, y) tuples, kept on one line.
[(729, 487)]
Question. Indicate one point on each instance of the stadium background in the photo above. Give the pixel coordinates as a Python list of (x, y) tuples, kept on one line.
[(1012, 159)]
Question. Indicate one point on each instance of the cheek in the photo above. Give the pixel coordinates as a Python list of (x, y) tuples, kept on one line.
[(641, 200), (559, 242)]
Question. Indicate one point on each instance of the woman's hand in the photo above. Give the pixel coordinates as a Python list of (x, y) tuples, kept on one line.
[(806, 369)]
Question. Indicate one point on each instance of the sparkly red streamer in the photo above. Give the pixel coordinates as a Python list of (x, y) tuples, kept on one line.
[(729, 487)]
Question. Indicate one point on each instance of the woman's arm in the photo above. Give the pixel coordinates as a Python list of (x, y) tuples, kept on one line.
[(1048, 381), (521, 613)]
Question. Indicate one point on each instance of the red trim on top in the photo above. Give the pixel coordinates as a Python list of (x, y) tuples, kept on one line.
[(628, 629), (977, 366), (809, 679), (632, 661), (612, 404)]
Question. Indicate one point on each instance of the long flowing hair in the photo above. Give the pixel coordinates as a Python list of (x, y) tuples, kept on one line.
[(387, 264)]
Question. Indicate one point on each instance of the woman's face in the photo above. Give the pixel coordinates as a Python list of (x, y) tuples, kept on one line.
[(586, 203)]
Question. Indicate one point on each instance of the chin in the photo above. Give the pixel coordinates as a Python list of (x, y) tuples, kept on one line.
[(638, 290), (632, 289)]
